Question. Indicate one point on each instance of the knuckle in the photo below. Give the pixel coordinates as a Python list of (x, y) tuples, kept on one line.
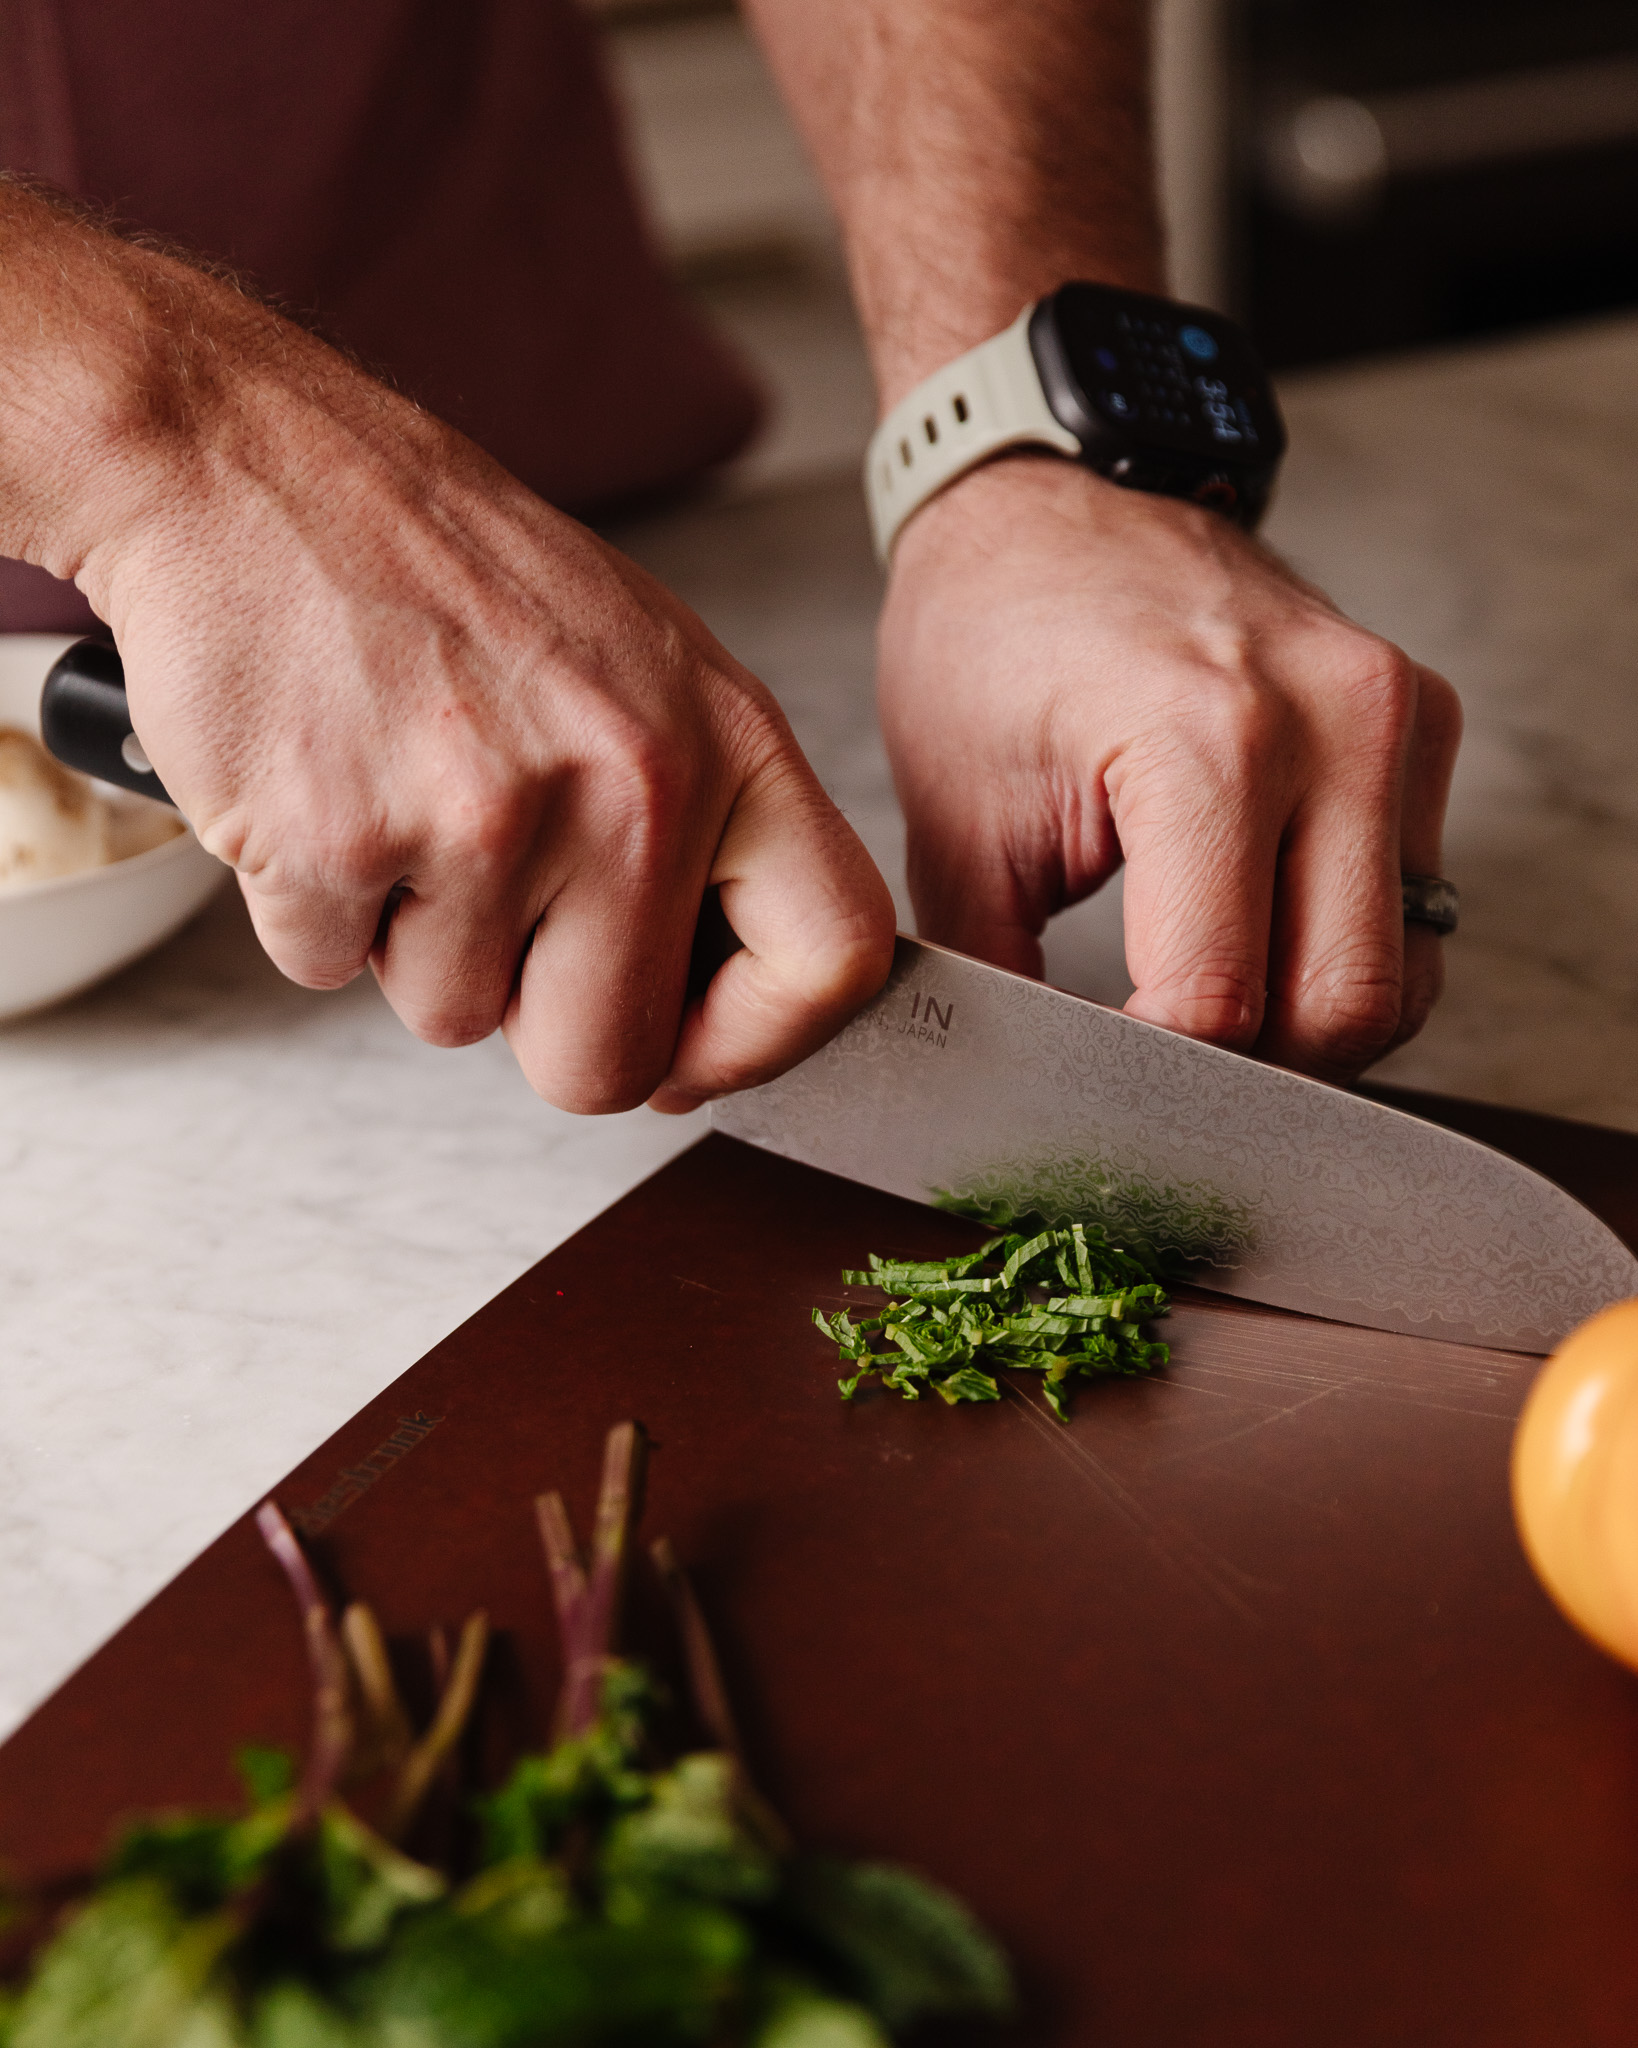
[(1350, 1010), (312, 841), (340, 862), (751, 727), (777, 1012), (846, 969), (838, 949), (1223, 1004), (461, 1009), (225, 837), (452, 1027), (1244, 735), (1424, 981), (1439, 712), (1379, 686), (305, 939), (588, 1088), (352, 870), (644, 781), (597, 1052), (485, 816)]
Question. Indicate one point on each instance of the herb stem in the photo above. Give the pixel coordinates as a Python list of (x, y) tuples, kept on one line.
[(704, 1672), (588, 1603), (386, 1738), (332, 1743), (455, 1704), (710, 1694)]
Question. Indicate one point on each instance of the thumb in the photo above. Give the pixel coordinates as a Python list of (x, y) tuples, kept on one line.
[(816, 924)]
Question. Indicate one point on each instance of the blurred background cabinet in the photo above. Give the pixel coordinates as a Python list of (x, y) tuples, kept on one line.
[(1411, 171)]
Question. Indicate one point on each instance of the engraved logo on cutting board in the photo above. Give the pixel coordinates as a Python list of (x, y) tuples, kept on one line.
[(411, 1430)]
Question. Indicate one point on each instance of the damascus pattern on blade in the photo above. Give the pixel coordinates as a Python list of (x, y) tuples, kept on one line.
[(968, 1086)]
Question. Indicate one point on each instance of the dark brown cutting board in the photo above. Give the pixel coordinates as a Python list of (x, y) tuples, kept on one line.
[(1232, 1706)]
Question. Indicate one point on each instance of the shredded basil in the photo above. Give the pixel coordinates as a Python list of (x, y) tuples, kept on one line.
[(1058, 1302)]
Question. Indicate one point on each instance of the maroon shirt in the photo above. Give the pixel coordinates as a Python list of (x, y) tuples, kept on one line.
[(438, 184)]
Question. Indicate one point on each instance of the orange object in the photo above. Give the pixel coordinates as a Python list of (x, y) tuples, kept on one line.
[(1575, 1478)]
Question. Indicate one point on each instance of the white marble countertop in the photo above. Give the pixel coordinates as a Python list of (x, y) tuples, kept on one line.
[(232, 1210)]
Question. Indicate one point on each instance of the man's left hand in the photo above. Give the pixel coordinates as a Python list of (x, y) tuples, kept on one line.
[(1074, 675)]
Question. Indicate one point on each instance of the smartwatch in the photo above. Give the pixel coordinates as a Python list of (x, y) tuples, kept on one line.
[(1151, 394)]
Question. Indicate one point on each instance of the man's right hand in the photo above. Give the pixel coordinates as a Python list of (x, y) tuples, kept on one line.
[(434, 725)]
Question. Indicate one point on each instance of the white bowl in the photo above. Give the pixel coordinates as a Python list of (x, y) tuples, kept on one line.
[(60, 936)]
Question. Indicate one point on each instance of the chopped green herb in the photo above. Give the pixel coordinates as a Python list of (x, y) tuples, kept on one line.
[(1058, 1302)]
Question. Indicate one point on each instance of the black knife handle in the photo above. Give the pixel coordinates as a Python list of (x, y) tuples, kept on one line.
[(715, 941), (85, 722)]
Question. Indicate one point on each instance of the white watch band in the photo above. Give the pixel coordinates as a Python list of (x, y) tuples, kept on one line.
[(986, 400)]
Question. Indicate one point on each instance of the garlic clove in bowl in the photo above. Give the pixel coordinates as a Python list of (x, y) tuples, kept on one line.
[(62, 931)]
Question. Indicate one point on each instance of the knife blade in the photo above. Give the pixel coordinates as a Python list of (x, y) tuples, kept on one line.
[(975, 1089)]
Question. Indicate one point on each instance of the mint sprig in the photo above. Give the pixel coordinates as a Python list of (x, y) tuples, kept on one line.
[(615, 1896)]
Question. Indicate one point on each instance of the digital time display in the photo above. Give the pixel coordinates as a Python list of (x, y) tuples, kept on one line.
[(1146, 373), (1228, 418), (1165, 397)]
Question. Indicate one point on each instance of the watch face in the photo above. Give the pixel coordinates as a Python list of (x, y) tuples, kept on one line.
[(1148, 373)]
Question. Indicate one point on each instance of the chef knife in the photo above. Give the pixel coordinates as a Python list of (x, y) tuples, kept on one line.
[(979, 1090)]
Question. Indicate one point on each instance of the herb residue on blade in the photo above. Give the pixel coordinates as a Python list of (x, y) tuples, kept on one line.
[(1058, 1302)]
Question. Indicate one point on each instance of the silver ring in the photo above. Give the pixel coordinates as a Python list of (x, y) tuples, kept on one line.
[(1431, 900)]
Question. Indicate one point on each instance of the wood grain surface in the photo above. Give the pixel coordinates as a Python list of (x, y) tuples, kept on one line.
[(1232, 1706)]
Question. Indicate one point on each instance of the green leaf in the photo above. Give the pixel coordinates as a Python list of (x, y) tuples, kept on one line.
[(968, 1384), (665, 1978), (587, 1778), (267, 1774), (132, 1971), (800, 2017), (1024, 1255), (193, 1855), (909, 1950), (365, 1884), (522, 1900), (692, 1837), (203, 1859), (293, 2015)]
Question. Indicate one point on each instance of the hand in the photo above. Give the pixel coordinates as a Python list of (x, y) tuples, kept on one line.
[(438, 727), (1072, 674)]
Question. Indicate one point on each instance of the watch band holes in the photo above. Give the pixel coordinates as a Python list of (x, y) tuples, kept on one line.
[(958, 405), (904, 454), (930, 427)]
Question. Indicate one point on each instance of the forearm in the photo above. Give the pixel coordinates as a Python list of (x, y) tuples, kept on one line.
[(95, 386), (978, 152), (134, 382)]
